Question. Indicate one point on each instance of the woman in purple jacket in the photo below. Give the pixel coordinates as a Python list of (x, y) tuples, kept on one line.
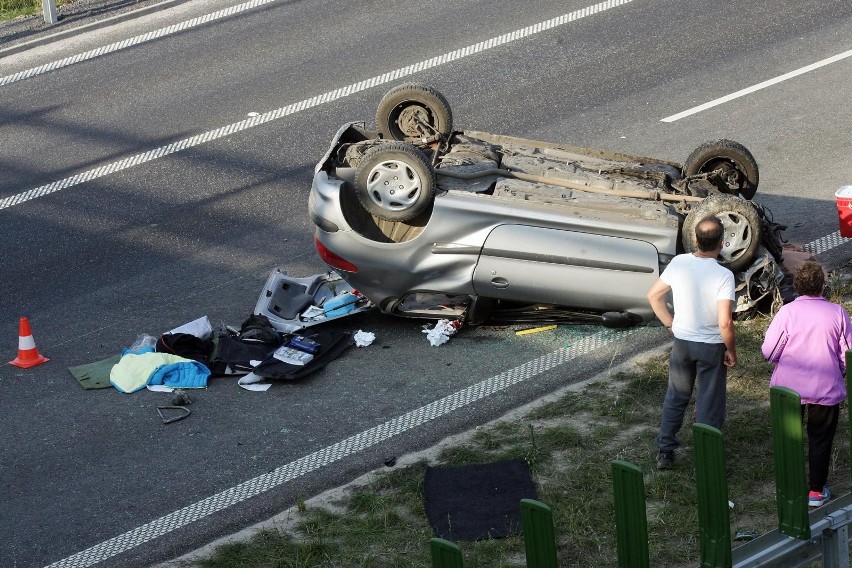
[(807, 342)]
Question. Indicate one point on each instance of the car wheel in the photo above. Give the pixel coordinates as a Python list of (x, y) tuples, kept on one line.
[(414, 113), (731, 160), (395, 181), (742, 229)]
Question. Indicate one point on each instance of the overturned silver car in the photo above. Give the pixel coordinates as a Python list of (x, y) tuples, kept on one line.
[(426, 221)]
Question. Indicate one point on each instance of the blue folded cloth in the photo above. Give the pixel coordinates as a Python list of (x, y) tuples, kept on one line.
[(135, 370), (185, 375)]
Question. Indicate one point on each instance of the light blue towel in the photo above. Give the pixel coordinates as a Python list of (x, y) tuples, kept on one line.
[(186, 375), (135, 370)]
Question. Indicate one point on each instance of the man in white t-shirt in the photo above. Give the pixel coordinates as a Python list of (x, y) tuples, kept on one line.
[(704, 341)]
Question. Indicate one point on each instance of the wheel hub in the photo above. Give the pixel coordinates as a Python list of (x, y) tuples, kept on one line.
[(393, 185), (410, 120), (737, 236), (729, 173)]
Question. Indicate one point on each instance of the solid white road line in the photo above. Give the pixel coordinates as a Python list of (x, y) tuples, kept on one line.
[(123, 44), (324, 98), (759, 86)]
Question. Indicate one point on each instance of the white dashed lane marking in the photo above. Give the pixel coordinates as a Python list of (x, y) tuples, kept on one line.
[(300, 106)]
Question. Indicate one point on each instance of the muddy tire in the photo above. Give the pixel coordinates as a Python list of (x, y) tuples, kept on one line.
[(414, 113), (731, 160), (742, 229), (395, 181)]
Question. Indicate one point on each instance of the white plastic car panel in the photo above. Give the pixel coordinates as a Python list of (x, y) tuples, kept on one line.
[(293, 304)]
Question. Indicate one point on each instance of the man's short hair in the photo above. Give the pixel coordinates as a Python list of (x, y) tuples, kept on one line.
[(809, 279), (708, 233)]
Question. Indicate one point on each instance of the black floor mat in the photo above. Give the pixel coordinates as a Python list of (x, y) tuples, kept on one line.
[(476, 502)]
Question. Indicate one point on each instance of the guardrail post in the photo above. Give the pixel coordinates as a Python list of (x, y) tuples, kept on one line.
[(445, 554), (835, 541), (788, 444), (539, 536), (49, 9), (711, 482), (631, 521)]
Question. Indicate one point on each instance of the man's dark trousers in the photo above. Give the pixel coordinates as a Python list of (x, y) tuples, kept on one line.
[(691, 361)]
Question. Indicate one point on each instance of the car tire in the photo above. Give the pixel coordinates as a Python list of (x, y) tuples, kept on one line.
[(731, 160), (742, 229), (414, 113), (395, 181)]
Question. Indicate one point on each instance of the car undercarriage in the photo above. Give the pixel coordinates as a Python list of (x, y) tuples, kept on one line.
[(426, 221)]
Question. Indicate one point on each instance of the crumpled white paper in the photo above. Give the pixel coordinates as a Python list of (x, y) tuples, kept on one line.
[(200, 328), (442, 331), (364, 338)]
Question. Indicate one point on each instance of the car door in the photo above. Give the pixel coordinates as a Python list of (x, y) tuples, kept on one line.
[(569, 268)]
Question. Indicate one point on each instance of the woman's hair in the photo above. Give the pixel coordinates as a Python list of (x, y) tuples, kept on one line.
[(809, 279)]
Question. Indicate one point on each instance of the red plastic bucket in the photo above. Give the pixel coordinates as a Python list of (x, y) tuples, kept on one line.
[(843, 196)]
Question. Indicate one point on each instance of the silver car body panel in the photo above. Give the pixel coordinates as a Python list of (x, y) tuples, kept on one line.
[(515, 265), (503, 238)]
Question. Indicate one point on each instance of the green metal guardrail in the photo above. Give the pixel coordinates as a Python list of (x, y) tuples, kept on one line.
[(829, 524), (445, 554), (849, 390), (711, 483), (539, 536), (539, 540), (631, 521), (788, 447)]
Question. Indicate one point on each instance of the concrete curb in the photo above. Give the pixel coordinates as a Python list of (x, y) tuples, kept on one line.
[(103, 23)]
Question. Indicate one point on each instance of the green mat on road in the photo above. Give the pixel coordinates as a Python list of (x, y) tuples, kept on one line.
[(95, 375)]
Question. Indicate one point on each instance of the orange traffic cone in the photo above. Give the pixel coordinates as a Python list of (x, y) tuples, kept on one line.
[(28, 355)]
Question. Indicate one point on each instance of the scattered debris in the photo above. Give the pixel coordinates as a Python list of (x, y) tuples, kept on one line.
[(181, 398), (200, 328), (184, 412), (293, 304), (442, 331), (250, 383), (292, 356), (364, 338), (535, 330), (745, 535), (144, 342)]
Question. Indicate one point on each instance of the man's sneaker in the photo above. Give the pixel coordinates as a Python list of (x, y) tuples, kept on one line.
[(665, 459), (816, 499)]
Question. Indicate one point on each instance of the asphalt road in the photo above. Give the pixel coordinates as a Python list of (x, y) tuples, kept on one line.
[(110, 229)]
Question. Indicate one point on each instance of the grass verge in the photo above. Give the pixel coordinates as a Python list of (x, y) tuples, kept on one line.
[(11, 9), (569, 445)]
